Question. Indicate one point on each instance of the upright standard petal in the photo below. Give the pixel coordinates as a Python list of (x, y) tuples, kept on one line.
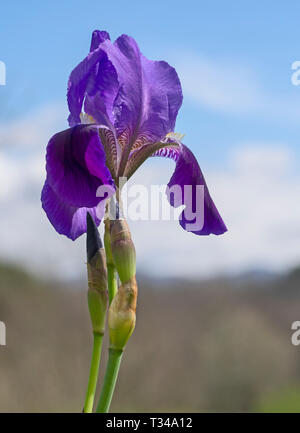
[(102, 88), (98, 37), (149, 95), (94, 81), (187, 187)]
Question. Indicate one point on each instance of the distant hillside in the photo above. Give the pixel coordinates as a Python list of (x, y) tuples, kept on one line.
[(205, 346)]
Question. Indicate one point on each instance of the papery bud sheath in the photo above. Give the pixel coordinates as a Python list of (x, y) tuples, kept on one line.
[(97, 277), (122, 314), (123, 250)]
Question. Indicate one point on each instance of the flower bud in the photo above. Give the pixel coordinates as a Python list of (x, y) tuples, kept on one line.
[(107, 243), (97, 302), (97, 277), (122, 315), (111, 269), (123, 250)]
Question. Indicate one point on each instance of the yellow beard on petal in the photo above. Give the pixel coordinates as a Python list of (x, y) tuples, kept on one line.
[(86, 119), (175, 135)]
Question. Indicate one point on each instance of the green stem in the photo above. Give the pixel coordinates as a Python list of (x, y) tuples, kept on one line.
[(111, 375), (112, 282), (94, 369)]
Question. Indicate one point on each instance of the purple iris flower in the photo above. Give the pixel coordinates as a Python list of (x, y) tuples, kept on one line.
[(122, 106)]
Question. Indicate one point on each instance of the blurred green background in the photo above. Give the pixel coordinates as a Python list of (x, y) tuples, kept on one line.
[(215, 345)]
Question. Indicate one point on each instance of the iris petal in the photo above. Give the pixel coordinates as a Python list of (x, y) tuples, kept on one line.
[(200, 215), (97, 38), (68, 220), (94, 78), (149, 95), (75, 164), (101, 91)]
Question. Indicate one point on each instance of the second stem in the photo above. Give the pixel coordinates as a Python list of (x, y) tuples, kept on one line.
[(111, 375), (94, 370)]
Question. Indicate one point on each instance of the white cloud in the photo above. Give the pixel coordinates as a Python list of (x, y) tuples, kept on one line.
[(263, 160), (218, 85), (32, 131), (258, 199), (26, 235), (233, 88), (257, 194)]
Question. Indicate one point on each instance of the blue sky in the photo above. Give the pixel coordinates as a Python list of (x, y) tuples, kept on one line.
[(240, 116), (42, 41)]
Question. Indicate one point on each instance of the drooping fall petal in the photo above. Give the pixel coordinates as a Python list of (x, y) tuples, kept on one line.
[(187, 186), (76, 168), (66, 219)]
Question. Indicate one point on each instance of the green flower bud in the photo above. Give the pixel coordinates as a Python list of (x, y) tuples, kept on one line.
[(123, 250), (97, 277), (97, 271), (97, 302), (122, 315), (107, 243)]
